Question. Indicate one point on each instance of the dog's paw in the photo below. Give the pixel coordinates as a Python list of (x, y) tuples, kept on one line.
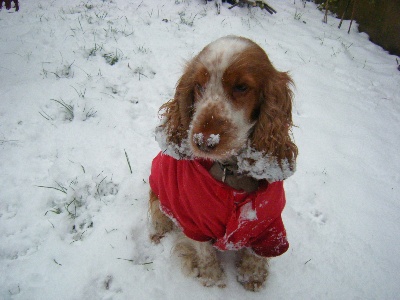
[(252, 271), (212, 276), (199, 260), (160, 227), (253, 284), (209, 282), (160, 223), (156, 238)]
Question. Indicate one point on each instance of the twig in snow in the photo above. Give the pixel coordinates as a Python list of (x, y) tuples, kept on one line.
[(51, 187), (352, 14), (137, 264), (345, 10), (127, 159), (325, 20), (7, 141), (57, 262), (261, 4)]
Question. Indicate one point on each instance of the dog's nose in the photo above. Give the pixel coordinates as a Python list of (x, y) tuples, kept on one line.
[(206, 142)]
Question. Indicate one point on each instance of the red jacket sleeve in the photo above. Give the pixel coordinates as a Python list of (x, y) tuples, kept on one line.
[(272, 242)]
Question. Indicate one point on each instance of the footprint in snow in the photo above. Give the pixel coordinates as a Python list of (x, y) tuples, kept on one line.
[(318, 217)]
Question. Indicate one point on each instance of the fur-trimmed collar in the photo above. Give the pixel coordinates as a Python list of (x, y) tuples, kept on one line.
[(250, 162)]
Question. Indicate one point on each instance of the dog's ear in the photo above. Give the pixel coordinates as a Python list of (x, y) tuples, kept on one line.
[(177, 112), (271, 134)]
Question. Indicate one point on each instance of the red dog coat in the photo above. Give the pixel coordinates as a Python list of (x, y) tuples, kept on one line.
[(209, 210)]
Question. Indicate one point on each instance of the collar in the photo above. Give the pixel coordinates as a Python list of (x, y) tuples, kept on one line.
[(228, 172), (228, 167), (249, 162)]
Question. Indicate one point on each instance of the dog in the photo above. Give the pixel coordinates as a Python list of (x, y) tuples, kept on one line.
[(226, 148)]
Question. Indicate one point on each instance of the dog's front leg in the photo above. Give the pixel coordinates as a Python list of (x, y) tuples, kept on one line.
[(252, 270), (161, 224), (199, 259)]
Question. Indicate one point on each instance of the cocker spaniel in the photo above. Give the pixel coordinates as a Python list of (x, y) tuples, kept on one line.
[(226, 148)]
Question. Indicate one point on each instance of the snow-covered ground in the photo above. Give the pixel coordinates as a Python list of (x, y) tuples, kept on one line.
[(80, 86)]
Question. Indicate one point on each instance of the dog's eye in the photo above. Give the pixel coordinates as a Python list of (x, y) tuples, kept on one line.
[(239, 91), (240, 88)]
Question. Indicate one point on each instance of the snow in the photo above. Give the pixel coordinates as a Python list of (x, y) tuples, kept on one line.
[(198, 138), (262, 166), (176, 151), (212, 140), (247, 212), (73, 212)]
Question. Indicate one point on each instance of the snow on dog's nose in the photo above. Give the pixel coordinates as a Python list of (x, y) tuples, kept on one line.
[(206, 142)]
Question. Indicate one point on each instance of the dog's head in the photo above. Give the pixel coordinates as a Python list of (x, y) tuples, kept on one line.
[(231, 97)]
